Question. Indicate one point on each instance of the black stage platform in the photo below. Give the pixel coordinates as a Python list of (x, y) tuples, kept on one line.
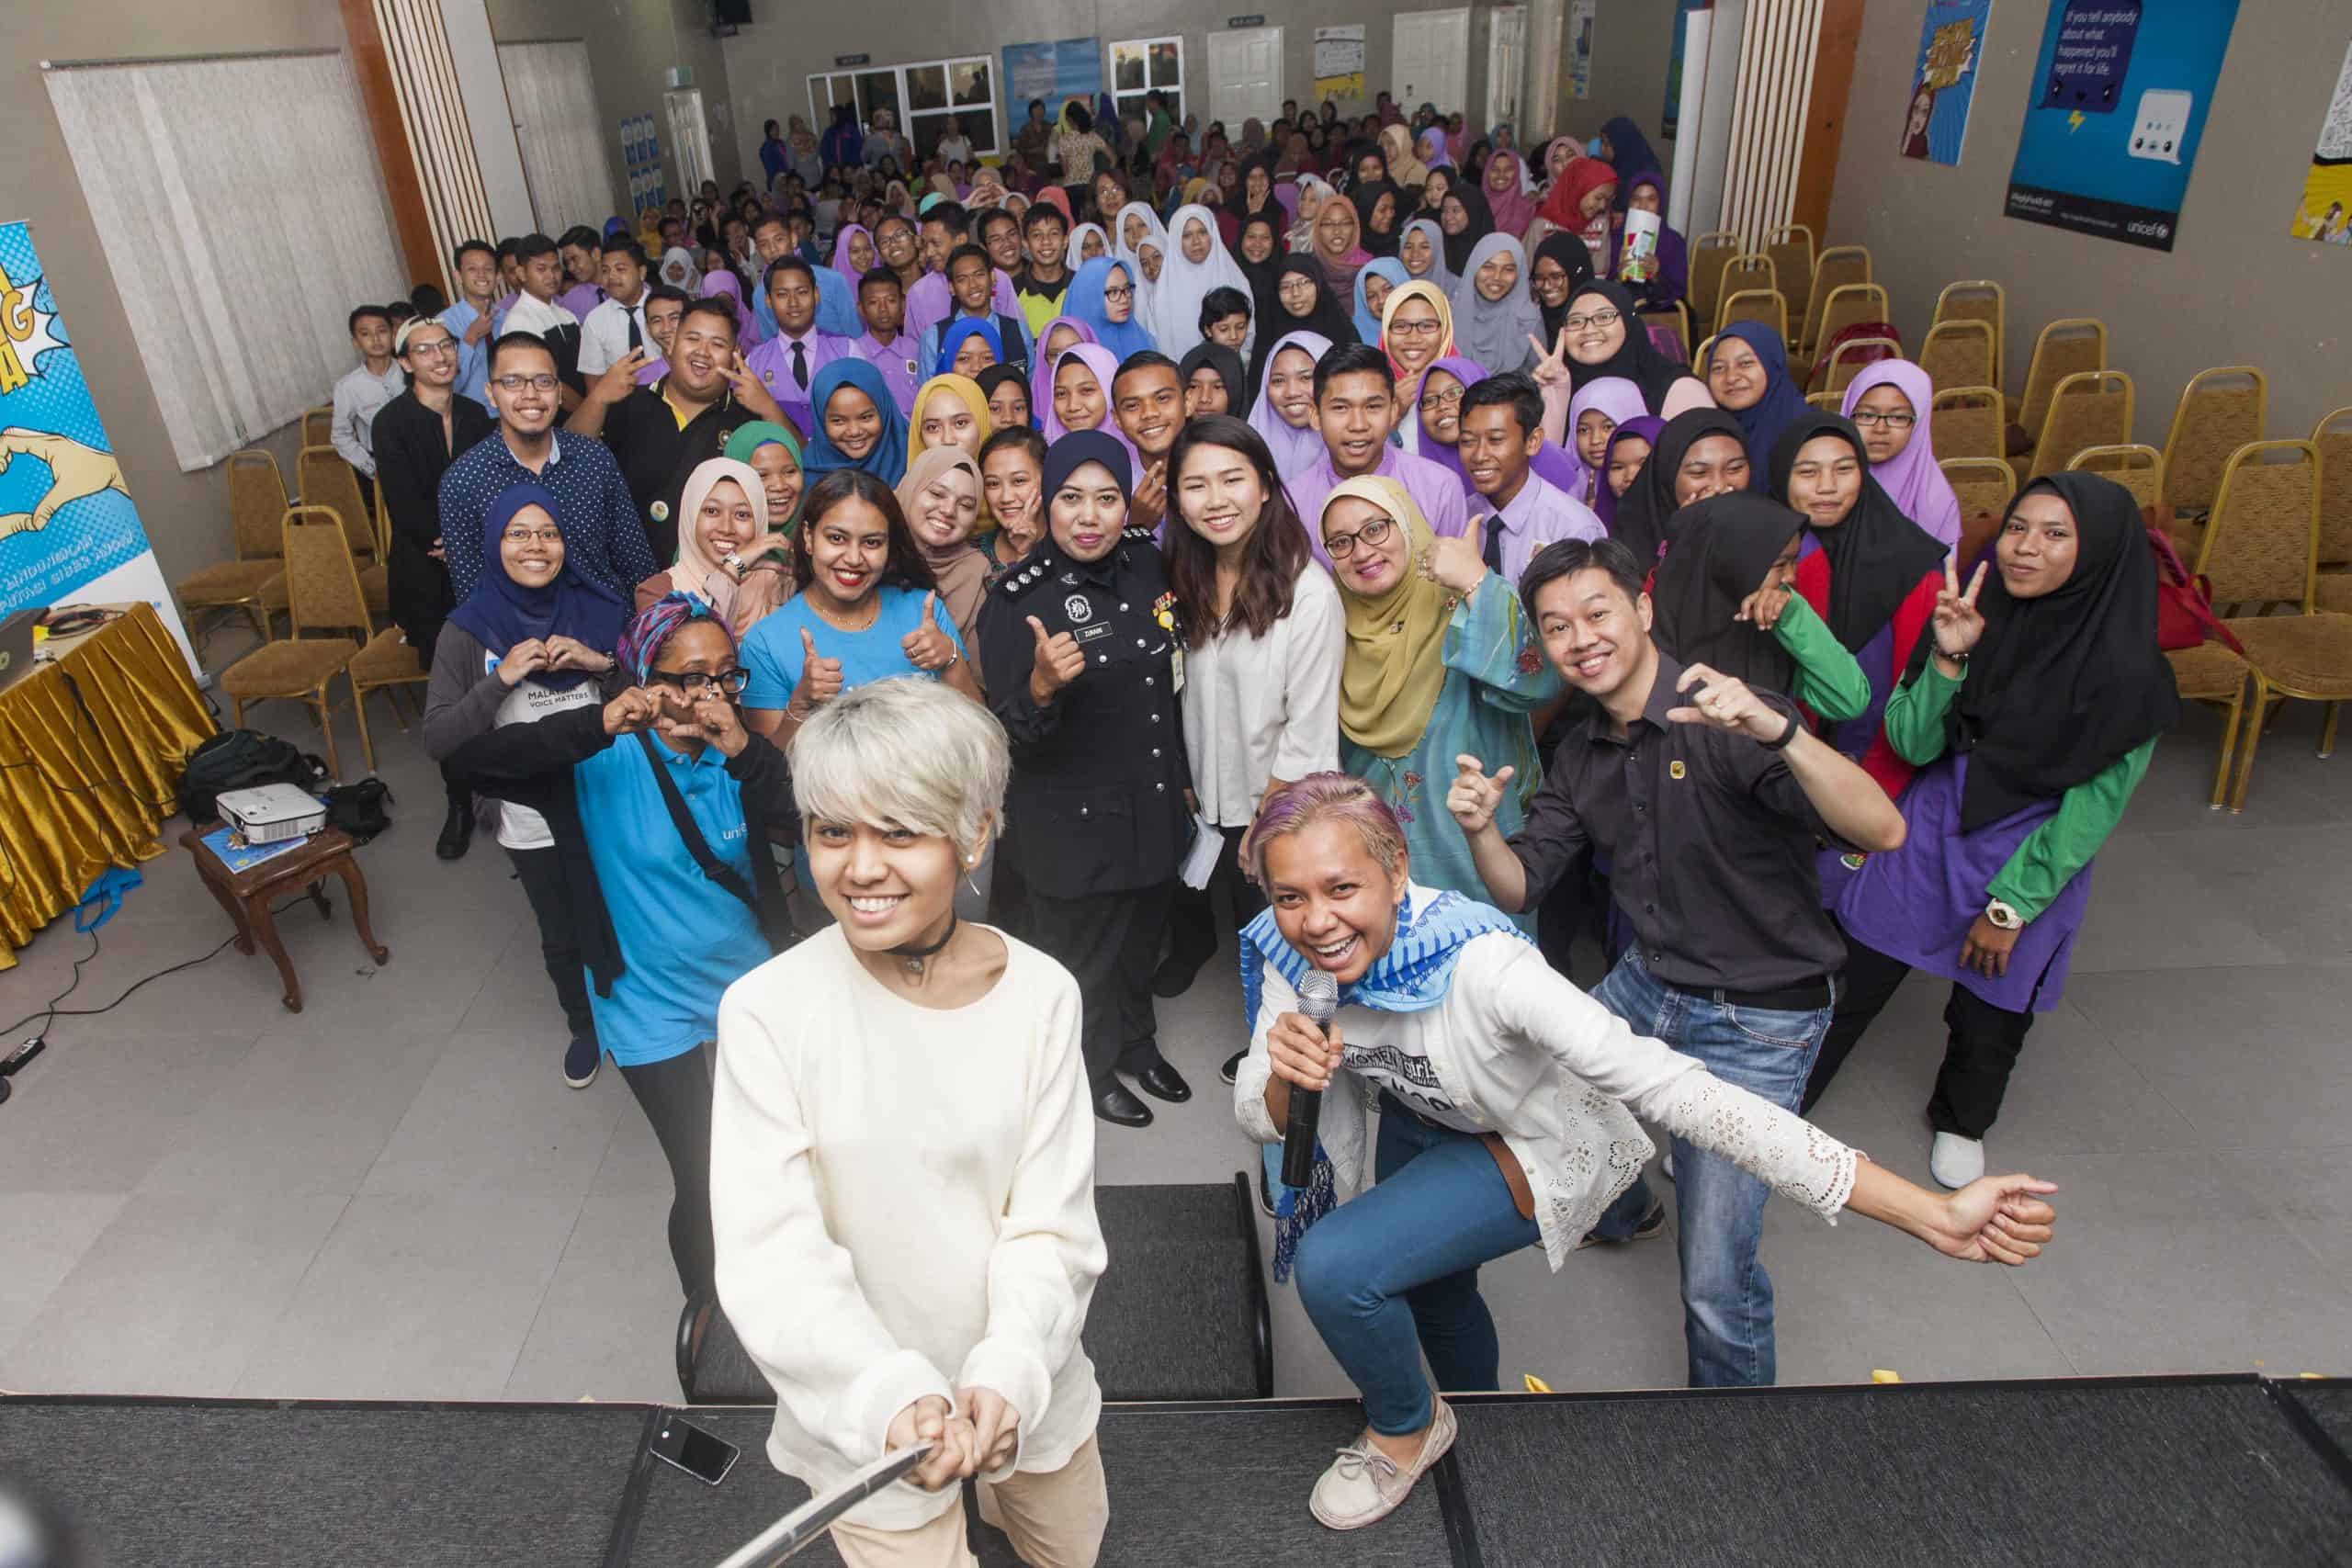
[(2134, 1471)]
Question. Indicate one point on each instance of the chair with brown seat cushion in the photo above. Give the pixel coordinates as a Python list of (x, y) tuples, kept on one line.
[(1967, 421), (1847, 305), (327, 479), (2066, 348), (2332, 436), (1978, 300), (1710, 254), (1764, 305), (1958, 353), (2220, 410), (1984, 487), (2261, 549), (317, 426), (1840, 267), (386, 664), (322, 594), (1790, 247), (255, 582), (2092, 408)]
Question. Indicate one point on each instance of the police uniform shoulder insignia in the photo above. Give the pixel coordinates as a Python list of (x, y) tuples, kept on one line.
[(1135, 535)]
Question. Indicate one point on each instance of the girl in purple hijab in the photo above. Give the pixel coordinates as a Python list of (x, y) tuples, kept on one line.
[(1645, 429), (1612, 400), (1295, 448), (721, 282), (1104, 365), (1903, 457), (1438, 421)]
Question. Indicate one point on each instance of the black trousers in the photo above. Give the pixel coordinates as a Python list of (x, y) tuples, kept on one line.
[(1110, 941), (675, 1097), (542, 881), (1191, 914), (1981, 1047)]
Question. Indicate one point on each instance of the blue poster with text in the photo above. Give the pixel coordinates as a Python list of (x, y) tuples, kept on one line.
[(2120, 92)]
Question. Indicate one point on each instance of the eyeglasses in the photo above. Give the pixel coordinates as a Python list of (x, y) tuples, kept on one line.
[(1118, 294), (1413, 329), (433, 348), (1431, 402), (729, 682), (1896, 420), (1344, 545), (533, 535), (540, 383), (1597, 319)]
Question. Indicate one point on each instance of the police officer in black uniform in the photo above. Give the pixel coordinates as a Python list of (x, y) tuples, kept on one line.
[(1082, 661)]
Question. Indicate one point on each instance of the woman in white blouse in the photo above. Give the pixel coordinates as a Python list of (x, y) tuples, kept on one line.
[(1264, 641), (1507, 1100), (902, 1157)]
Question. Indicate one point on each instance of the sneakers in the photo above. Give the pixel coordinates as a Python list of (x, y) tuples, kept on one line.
[(581, 1060), (1232, 1065), (1364, 1485), (1956, 1161), (1652, 1225)]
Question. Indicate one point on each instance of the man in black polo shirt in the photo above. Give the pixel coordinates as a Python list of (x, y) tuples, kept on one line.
[(660, 434), (1709, 798)]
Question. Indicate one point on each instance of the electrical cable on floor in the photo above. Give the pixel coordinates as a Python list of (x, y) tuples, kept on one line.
[(31, 1046)]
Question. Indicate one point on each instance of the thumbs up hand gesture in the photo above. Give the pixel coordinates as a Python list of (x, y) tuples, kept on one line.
[(1059, 662), (927, 647), (820, 678)]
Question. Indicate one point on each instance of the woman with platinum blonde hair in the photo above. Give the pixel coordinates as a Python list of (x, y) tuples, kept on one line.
[(928, 1284)]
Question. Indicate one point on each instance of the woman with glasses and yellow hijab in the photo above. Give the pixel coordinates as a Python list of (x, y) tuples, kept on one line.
[(1441, 662)]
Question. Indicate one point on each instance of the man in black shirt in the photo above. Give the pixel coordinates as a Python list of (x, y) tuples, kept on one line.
[(1709, 798), (660, 435)]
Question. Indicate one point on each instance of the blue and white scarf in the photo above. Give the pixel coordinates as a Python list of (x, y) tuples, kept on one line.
[(1412, 975)]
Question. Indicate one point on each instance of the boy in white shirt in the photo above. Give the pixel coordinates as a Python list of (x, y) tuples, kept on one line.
[(364, 388)]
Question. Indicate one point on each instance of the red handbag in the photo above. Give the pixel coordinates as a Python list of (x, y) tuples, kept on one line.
[(2185, 615)]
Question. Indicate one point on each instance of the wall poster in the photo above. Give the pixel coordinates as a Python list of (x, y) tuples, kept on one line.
[(2120, 92), (2325, 214), (1943, 84), (1580, 14), (1339, 64)]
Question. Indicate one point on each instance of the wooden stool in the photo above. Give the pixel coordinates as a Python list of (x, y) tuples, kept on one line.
[(247, 895)]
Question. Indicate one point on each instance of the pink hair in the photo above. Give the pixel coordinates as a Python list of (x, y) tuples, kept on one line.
[(1332, 797)]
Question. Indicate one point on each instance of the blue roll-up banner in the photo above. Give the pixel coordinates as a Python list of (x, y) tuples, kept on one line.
[(68, 531), (2120, 92)]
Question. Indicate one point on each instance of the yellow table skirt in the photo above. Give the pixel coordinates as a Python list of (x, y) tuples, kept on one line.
[(84, 790)]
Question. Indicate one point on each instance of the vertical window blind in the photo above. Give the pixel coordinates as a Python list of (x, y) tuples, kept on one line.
[(561, 136)]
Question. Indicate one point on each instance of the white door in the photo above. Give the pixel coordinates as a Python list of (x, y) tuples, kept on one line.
[(1506, 63), (1430, 60), (1246, 75), (689, 137)]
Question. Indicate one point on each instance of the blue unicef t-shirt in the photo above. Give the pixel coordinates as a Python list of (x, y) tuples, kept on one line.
[(772, 650)]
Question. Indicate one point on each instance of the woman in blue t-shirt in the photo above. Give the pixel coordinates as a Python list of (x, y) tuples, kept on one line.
[(868, 608)]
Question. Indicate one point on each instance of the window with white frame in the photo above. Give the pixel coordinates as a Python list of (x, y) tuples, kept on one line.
[(1148, 64), (929, 99), (242, 214)]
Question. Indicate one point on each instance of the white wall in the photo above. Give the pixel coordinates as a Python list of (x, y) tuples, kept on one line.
[(488, 116)]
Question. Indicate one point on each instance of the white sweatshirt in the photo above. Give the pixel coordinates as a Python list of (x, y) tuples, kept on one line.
[(903, 1202)]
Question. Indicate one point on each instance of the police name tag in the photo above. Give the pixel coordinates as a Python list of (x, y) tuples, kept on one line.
[(1090, 634)]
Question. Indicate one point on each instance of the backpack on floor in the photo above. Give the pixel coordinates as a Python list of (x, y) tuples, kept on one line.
[(243, 759)]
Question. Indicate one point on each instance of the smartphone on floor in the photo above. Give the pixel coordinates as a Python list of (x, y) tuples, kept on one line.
[(677, 1441)]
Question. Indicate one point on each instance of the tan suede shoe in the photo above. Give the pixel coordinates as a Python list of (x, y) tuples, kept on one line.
[(1364, 1485)]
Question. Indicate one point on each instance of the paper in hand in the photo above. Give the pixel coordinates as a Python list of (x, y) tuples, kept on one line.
[(1200, 861)]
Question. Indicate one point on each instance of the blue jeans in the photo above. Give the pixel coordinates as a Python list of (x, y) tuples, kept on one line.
[(1719, 1215), (1393, 1272)]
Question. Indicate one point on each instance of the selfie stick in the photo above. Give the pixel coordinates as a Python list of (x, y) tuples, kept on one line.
[(802, 1527)]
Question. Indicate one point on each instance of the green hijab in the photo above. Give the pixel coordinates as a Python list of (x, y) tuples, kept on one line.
[(750, 438)]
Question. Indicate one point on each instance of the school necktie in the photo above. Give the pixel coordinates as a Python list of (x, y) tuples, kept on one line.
[(800, 364), (1493, 554), (636, 336)]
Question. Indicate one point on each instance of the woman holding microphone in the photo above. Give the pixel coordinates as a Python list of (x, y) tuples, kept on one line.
[(1506, 1100)]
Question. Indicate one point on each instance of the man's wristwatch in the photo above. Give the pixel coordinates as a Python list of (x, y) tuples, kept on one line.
[(2003, 916)]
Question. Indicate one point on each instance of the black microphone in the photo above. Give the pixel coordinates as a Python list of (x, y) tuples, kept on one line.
[(1318, 998)]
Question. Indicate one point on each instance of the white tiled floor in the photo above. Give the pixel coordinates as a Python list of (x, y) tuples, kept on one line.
[(394, 1194)]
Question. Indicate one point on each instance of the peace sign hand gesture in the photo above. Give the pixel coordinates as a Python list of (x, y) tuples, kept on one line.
[(1551, 367), (1957, 622)]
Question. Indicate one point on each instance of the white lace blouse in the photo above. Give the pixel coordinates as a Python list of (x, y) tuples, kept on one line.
[(1522, 1051)]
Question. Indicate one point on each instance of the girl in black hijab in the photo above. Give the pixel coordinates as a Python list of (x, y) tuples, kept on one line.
[(1868, 570), (1261, 272), (1622, 348), (1377, 240), (2029, 709), (1325, 314), (1223, 364), (1570, 254), (1478, 222), (1661, 488), (1722, 598)]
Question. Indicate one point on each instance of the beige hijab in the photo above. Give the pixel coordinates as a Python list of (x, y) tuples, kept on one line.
[(1403, 169), (697, 572), (961, 570)]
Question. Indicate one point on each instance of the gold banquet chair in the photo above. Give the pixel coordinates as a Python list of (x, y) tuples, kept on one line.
[(255, 582), (322, 592)]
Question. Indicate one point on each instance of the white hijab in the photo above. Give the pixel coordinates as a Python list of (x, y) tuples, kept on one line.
[(1157, 239), (1183, 284)]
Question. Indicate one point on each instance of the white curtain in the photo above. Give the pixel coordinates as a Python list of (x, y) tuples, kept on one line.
[(242, 213), (561, 136)]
